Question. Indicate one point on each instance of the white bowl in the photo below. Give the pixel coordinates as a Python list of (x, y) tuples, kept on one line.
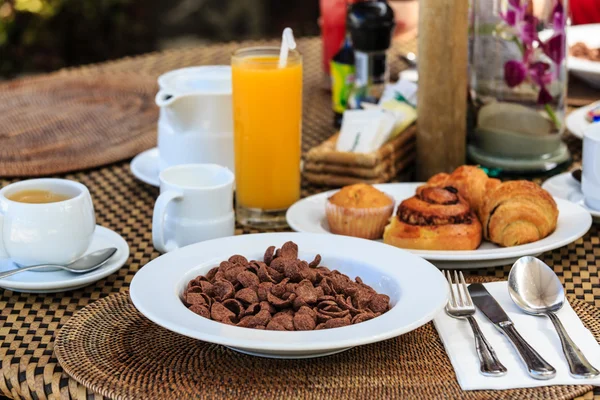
[(416, 288), (587, 70)]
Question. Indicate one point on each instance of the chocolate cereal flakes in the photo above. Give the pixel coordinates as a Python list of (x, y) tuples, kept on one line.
[(282, 293)]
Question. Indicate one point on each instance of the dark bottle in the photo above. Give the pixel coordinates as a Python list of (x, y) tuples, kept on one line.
[(371, 25), (342, 79)]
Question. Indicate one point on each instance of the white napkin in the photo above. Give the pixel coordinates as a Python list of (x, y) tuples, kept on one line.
[(538, 331), (364, 131)]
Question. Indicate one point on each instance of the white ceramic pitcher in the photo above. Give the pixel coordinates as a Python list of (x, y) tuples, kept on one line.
[(195, 123)]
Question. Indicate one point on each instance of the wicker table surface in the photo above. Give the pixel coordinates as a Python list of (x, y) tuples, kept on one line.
[(29, 322)]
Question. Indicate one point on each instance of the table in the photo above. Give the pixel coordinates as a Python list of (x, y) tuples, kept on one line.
[(28, 322)]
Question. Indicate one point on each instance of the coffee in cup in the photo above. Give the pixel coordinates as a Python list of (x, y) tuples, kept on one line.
[(37, 196), (45, 221)]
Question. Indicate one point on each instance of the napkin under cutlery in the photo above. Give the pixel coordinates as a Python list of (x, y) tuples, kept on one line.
[(538, 331)]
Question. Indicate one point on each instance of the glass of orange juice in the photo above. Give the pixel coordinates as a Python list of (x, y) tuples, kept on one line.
[(267, 116)]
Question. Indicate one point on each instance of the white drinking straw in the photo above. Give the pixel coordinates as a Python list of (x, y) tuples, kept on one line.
[(287, 43)]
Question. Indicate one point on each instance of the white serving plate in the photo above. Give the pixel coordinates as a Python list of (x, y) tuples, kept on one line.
[(308, 215), (587, 70), (416, 288)]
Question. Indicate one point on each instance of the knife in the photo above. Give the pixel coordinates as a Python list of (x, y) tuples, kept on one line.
[(537, 367)]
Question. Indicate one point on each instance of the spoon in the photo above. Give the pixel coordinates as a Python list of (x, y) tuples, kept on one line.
[(82, 265), (535, 289)]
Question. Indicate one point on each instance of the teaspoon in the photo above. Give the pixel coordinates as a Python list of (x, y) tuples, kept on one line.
[(82, 265), (535, 289)]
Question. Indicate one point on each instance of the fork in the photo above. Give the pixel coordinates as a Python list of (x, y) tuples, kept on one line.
[(462, 307)]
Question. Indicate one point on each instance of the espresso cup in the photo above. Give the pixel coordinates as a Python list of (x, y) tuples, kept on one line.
[(195, 204), (590, 177), (58, 232)]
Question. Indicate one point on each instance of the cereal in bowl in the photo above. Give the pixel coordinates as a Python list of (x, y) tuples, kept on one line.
[(282, 293)]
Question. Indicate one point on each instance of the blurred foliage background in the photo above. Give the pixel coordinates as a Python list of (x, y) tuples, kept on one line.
[(44, 35)]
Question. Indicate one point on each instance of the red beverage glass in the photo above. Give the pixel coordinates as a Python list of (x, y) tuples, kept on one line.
[(333, 28)]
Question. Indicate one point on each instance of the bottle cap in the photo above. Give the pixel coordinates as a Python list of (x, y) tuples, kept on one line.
[(371, 24)]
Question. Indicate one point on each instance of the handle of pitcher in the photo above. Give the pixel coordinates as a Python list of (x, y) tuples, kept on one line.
[(158, 221)]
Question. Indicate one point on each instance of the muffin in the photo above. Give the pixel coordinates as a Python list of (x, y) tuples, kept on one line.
[(359, 210)]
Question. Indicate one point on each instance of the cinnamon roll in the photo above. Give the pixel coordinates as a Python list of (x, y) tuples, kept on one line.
[(435, 218), (511, 213), (471, 182)]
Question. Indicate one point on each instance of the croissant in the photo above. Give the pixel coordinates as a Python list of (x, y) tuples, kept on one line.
[(518, 212), (434, 219), (511, 213)]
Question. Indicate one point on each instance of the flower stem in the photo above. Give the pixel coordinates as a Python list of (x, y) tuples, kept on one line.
[(552, 115), (519, 44)]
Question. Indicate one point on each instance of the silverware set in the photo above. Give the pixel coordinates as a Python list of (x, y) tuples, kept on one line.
[(536, 290)]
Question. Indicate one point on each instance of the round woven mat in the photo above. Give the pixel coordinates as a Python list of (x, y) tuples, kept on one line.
[(112, 349), (68, 121)]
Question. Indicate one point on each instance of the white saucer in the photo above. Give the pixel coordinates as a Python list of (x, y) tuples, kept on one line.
[(564, 186), (576, 122), (61, 281), (144, 166), (308, 215)]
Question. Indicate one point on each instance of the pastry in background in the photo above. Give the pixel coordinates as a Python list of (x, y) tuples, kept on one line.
[(518, 212), (359, 210), (511, 213), (435, 218)]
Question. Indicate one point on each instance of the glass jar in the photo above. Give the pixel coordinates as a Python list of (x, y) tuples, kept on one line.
[(517, 84)]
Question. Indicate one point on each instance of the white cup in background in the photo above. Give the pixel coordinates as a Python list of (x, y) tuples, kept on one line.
[(590, 179), (195, 204), (46, 233)]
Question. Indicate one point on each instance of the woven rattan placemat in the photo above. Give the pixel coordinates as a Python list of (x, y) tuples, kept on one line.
[(67, 121), (96, 115), (114, 350)]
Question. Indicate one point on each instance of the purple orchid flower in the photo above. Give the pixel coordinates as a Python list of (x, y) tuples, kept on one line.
[(514, 13), (558, 17), (540, 73), (510, 18), (544, 97), (514, 73), (529, 30), (530, 68), (555, 47)]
